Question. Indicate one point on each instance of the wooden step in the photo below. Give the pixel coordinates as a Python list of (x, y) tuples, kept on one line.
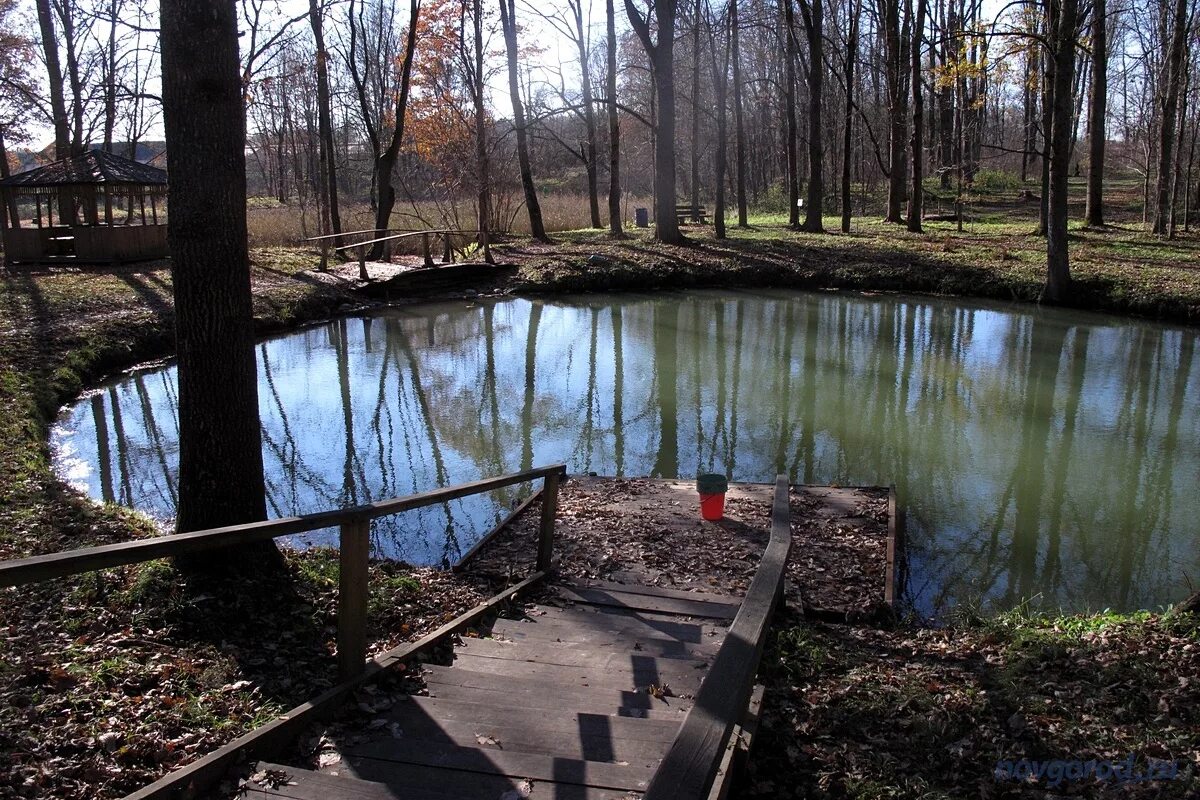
[(551, 702), (590, 626), (436, 711), (406, 782), (369, 761), (590, 738), (510, 692), (577, 653), (631, 671), (643, 602), (652, 591), (593, 737)]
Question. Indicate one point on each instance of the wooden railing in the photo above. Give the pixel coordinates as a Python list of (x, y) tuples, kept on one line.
[(390, 235), (688, 769), (354, 524)]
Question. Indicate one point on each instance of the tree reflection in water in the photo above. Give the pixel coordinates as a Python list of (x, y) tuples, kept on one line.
[(1040, 454)]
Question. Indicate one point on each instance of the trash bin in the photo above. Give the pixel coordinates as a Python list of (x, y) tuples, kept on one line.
[(641, 217), (712, 488)]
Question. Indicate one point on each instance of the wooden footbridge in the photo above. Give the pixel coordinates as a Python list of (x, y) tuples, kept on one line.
[(601, 690)]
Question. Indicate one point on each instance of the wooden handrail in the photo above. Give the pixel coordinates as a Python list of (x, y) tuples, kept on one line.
[(353, 552), (89, 559), (688, 769)]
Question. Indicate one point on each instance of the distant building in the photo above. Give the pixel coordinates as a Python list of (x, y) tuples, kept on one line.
[(91, 209)]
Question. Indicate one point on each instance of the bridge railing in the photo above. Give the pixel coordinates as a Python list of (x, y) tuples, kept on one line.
[(690, 765), (388, 236), (354, 525)]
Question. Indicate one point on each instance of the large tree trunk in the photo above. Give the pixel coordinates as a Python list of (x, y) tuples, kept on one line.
[(385, 162), (1167, 119), (789, 95), (508, 21), (327, 189), (721, 90), (54, 77), (694, 179), (1058, 271), (916, 194), (1048, 85), (895, 66), (738, 122), (814, 25), (847, 131), (662, 61), (614, 125), (220, 449)]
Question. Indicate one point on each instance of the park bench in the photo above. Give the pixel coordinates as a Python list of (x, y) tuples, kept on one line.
[(690, 213)]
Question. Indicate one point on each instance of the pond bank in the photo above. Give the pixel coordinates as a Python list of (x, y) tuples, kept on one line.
[(1109, 271)]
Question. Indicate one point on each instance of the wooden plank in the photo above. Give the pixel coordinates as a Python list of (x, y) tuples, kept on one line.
[(501, 525), (403, 778), (652, 591), (302, 784), (560, 633), (642, 602), (556, 701), (405, 782), (510, 692), (412, 709), (633, 776), (577, 653), (633, 671), (618, 692), (527, 734), (268, 740), (87, 559), (569, 624), (689, 767), (354, 555)]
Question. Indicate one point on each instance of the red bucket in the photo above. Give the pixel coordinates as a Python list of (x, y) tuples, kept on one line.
[(712, 487), (712, 506)]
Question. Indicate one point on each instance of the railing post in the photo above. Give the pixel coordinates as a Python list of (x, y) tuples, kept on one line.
[(324, 255), (425, 249), (352, 598), (546, 530), (362, 262), (447, 256)]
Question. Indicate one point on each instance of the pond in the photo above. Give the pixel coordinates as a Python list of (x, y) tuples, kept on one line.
[(1042, 455)]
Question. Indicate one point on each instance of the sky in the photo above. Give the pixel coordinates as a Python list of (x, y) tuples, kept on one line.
[(557, 49)]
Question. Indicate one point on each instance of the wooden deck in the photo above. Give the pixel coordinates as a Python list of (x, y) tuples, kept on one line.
[(581, 697)]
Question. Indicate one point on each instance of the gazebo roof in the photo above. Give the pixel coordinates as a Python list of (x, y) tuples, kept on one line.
[(93, 167)]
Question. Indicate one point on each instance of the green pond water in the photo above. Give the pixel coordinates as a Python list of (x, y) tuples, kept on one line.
[(1041, 455)]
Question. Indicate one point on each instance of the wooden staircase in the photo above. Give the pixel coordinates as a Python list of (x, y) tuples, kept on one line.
[(580, 698)]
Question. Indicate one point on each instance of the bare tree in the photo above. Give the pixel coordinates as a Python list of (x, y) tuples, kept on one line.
[(1097, 116), (847, 130), (382, 79), (1063, 32), (1168, 118), (327, 186), (813, 12), (916, 150), (508, 22), (614, 123), (660, 49)]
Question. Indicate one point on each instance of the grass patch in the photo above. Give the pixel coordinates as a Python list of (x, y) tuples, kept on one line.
[(872, 714)]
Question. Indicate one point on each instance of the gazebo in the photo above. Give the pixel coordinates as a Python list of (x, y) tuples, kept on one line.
[(95, 208)]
